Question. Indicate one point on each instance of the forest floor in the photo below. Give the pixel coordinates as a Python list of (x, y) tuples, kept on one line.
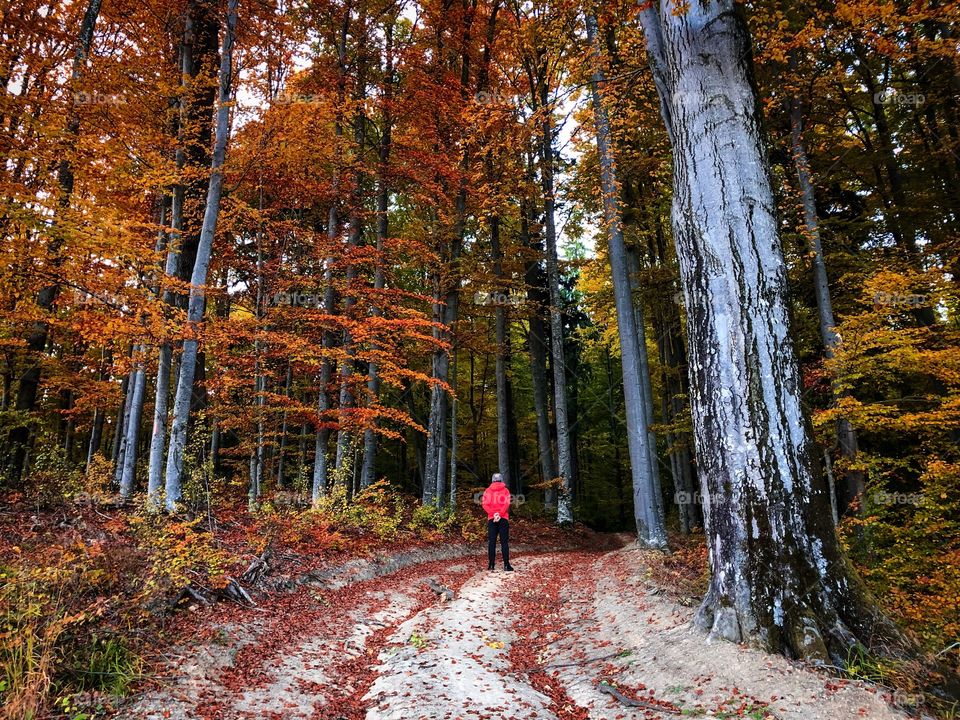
[(596, 632)]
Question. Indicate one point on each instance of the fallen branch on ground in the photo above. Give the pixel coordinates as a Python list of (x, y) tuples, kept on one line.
[(444, 593), (633, 702)]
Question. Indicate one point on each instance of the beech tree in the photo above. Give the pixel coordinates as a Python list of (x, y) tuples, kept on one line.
[(636, 377), (197, 304), (778, 577)]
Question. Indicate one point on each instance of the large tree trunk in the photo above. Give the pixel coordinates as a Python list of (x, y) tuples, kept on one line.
[(778, 576), (850, 491), (188, 358), (641, 441)]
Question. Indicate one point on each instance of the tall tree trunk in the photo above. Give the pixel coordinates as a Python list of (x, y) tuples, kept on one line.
[(188, 358), (123, 417), (778, 576), (354, 238), (128, 473), (558, 362), (850, 492), (641, 441), (321, 458), (99, 416), (161, 401), (29, 382), (453, 435), (259, 380), (368, 467), (446, 309), (537, 299), (503, 388)]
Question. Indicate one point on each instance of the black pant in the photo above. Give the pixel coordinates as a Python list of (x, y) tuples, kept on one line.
[(502, 529)]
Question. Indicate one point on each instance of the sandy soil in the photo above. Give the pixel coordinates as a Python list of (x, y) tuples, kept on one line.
[(375, 642)]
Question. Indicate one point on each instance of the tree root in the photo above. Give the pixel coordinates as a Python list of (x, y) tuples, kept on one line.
[(609, 689)]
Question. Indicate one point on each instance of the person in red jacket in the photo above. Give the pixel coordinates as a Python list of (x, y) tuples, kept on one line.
[(496, 501)]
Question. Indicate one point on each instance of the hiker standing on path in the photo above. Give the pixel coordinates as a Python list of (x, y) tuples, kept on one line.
[(496, 501)]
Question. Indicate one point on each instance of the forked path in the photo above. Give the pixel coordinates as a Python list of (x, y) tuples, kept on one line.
[(568, 635)]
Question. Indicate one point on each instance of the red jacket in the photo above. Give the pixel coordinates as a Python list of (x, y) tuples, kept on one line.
[(496, 499)]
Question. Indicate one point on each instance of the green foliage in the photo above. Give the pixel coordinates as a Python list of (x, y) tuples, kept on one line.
[(907, 548), (178, 553), (49, 614), (378, 509), (433, 518), (52, 480), (199, 491), (106, 665)]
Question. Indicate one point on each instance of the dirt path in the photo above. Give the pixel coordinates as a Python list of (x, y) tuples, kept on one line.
[(568, 635)]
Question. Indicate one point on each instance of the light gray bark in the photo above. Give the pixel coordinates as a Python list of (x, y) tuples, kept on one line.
[(123, 417), (778, 577), (188, 358), (558, 361), (161, 398), (638, 402), (128, 463)]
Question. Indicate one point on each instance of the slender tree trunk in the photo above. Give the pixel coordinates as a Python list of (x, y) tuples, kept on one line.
[(778, 577), (537, 299), (850, 491), (29, 382), (132, 425), (354, 237), (321, 458), (123, 419), (188, 358), (99, 416), (503, 389), (558, 362), (259, 381), (282, 450), (132, 431), (453, 435), (368, 468), (641, 441), (161, 398)]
